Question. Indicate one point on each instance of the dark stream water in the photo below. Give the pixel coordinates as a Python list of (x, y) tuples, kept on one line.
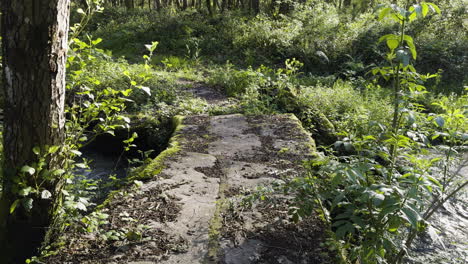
[(102, 166)]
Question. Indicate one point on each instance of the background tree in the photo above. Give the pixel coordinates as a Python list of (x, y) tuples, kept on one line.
[(34, 35)]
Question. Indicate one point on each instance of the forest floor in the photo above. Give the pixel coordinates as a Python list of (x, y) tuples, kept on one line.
[(193, 212)]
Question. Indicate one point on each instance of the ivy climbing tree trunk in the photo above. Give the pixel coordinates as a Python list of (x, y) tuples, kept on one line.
[(34, 43)]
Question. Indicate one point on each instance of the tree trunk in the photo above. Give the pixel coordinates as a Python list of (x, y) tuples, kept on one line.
[(157, 4), (34, 43), (129, 4), (208, 6)]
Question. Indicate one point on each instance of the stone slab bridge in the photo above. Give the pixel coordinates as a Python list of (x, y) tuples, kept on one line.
[(185, 210)]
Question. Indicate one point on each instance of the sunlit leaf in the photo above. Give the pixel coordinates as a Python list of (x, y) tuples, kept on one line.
[(392, 43), (27, 169), (36, 150), (45, 194), (434, 7), (384, 13), (14, 205), (147, 90)]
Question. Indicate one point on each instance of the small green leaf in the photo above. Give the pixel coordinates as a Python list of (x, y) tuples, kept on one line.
[(36, 150), (125, 119), (14, 205), (53, 149), (27, 169), (80, 11), (58, 172), (97, 41), (81, 165), (76, 152), (133, 236)]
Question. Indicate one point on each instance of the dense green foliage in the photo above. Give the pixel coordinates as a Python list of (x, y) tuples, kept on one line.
[(326, 39)]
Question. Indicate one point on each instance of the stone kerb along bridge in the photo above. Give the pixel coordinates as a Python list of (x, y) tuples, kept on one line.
[(183, 212)]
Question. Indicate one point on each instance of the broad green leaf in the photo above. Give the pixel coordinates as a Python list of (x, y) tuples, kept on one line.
[(392, 43), (412, 216), (412, 47), (388, 36), (424, 9), (384, 13)]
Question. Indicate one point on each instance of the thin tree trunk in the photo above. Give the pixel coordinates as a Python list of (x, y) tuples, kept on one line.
[(208, 6), (157, 4), (34, 46)]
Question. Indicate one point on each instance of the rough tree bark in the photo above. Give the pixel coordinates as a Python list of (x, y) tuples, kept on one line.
[(34, 43)]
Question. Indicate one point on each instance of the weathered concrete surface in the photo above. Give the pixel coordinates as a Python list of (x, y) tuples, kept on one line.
[(175, 211), (235, 152)]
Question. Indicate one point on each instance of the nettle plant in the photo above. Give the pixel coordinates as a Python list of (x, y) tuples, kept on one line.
[(378, 199)]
